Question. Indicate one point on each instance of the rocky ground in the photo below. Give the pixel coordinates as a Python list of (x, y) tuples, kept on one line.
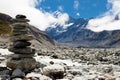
[(67, 64)]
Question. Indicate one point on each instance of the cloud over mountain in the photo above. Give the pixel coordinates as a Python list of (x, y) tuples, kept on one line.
[(38, 17), (109, 20)]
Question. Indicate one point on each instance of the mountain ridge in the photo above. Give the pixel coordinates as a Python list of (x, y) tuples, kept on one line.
[(77, 35)]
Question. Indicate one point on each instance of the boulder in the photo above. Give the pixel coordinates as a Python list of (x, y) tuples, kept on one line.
[(101, 78), (54, 71), (36, 76), (80, 78), (17, 73), (110, 79), (26, 64)]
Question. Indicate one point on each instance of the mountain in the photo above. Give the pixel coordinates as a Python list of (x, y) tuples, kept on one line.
[(72, 25), (77, 35), (41, 41)]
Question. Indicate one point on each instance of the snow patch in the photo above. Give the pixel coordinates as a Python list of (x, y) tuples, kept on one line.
[(5, 52), (67, 25)]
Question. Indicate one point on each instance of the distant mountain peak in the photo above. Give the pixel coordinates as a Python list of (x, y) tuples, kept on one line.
[(117, 17)]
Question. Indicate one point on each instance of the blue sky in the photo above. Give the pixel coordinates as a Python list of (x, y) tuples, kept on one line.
[(76, 8)]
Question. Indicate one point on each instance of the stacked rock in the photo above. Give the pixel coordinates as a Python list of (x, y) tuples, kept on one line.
[(23, 53)]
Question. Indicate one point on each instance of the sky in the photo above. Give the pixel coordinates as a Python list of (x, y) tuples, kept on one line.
[(49, 13), (76, 8)]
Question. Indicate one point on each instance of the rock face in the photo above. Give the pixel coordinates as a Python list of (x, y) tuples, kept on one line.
[(23, 54)]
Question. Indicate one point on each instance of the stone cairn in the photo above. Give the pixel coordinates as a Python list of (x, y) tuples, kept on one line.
[(23, 54)]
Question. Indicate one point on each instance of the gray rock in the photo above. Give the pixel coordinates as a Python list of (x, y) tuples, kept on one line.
[(36, 76), (21, 37), (117, 53), (26, 50), (19, 56), (107, 69), (55, 56), (5, 77), (116, 62), (21, 32), (54, 71), (41, 65), (20, 25), (20, 16), (21, 20), (101, 78), (26, 64), (3, 68), (75, 72), (51, 62), (17, 73), (5, 72), (79, 78), (17, 79), (21, 44)]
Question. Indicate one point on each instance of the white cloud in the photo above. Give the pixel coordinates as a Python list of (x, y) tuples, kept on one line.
[(109, 20), (38, 18), (76, 4)]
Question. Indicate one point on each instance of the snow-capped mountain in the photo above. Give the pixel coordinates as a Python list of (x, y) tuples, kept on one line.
[(79, 36), (72, 25)]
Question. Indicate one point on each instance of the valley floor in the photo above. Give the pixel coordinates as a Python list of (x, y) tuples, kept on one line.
[(77, 64)]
